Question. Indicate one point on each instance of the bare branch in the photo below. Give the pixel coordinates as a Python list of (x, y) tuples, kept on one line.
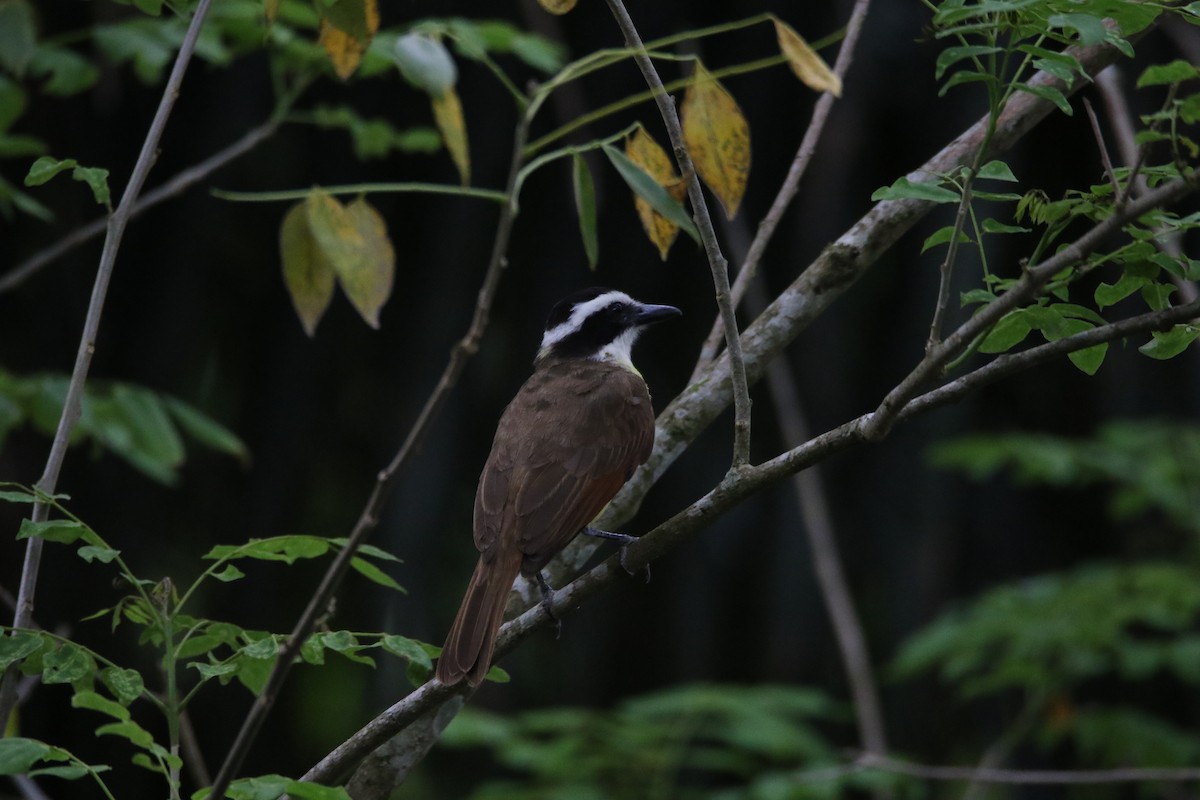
[(87, 343), (791, 184), (1099, 136), (716, 261)]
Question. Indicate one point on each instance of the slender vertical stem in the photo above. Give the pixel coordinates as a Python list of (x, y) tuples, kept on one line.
[(87, 343), (716, 261)]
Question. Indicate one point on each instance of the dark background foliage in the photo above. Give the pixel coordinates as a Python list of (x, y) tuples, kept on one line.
[(197, 309)]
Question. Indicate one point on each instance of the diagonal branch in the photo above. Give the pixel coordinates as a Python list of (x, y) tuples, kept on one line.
[(87, 342)]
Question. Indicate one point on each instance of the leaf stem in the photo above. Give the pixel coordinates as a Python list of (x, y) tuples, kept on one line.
[(360, 188)]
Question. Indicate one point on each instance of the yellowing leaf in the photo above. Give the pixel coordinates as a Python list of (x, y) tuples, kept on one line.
[(369, 283), (718, 138), (643, 151), (347, 28), (307, 273), (804, 61), (271, 9), (448, 114), (557, 6)]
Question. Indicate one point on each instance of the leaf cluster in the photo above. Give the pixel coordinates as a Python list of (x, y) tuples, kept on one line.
[(139, 425), (680, 742)]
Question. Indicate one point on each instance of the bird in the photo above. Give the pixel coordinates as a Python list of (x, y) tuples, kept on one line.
[(569, 440)]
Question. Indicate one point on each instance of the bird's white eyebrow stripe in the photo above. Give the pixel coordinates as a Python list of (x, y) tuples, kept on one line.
[(579, 313)]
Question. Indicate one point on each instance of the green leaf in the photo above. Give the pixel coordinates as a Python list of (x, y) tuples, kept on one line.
[(18, 37), (585, 209), (18, 497), (97, 179), (952, 55), (997, 171), (254, 672), (1157, 295), (95, 702), (18, 755), (46, 168), (63, 531), (1047, 93), (222, 671), (374, 573), (903, 189), (1170, 343), (965, 76), (68, 664), (16, 646), (104, 555), (942, 236), (277, 548), (229, 574), (1090, 29), (264, 648), (12, 102), (66, 72), (1176, 71), (315, 791), (125, 684), (649, 190), (992, 226), (1011, 330), (129, 730), (408, 649), (1109, 294)]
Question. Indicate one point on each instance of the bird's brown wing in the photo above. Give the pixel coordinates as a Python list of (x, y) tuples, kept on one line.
[(567, 443)]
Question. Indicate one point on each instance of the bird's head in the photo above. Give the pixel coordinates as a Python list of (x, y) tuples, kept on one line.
[(598, 324)]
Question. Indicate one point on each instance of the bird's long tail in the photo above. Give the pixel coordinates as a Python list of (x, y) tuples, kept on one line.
[(472, 638)]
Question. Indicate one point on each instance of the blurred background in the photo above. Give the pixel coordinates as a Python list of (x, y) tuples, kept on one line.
[(197, 310)]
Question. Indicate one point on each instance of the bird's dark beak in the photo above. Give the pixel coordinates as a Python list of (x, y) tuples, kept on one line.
[(649, 314)]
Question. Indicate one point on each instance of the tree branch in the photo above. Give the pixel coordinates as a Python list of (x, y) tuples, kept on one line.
[(87, 343), (716, 261)]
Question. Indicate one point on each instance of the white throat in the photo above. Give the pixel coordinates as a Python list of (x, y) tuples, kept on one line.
[(619, 351)]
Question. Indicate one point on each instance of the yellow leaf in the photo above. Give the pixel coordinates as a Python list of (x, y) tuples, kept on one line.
[(804, 61), (307, 273), (718, 138), (448, 114), (369, 283), (346, 30), (271, 9), (557, 6), (654, 161)]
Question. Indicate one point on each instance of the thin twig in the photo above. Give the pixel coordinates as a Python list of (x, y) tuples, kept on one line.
[(734, 489), (1104, 159), (791, 184), (716, 261), (181, 181), (369, 517), (87, 343)]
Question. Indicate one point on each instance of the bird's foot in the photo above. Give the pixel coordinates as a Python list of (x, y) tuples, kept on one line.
[(548, 603), (625, 540)]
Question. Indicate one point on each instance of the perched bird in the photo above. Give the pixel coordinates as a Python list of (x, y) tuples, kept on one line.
[(572, 436)]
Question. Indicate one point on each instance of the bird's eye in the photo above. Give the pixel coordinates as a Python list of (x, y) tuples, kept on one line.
[(614, 306)]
